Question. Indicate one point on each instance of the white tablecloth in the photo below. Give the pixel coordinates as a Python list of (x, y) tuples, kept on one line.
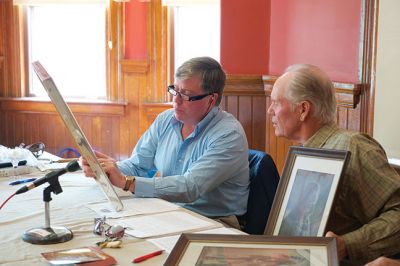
[(25, 211)]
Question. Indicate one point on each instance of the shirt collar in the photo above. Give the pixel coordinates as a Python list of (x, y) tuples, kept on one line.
[(321, 136), (204, 122)]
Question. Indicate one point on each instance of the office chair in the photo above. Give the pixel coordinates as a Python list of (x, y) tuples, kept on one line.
[(264, 179)]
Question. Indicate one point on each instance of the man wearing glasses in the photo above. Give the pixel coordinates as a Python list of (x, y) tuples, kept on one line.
[(199, 151)]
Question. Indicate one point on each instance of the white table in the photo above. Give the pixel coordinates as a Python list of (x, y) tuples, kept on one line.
[(26, 211)]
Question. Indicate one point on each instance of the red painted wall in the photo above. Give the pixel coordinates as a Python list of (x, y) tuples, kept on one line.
[(266, 36), (245, 36), (135, 30), (325, 33)]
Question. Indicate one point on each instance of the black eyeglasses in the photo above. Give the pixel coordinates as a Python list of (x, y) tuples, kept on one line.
[(171, 89)]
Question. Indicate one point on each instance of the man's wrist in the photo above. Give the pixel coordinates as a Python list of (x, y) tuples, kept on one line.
[(129, 181)]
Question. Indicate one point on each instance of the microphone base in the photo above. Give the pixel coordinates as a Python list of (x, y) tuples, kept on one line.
[(45, 236)]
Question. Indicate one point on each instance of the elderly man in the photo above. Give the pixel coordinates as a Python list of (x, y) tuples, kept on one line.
[(365, 217), (199, 151)]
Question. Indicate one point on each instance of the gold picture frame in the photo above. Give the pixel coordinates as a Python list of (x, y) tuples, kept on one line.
[(217, 250), (306, 192)]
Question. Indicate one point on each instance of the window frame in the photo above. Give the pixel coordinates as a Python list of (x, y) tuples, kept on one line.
[(160, 45), (114, 43)]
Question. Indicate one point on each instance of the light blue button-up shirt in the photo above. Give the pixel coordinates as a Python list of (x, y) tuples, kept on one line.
[(207, 172)]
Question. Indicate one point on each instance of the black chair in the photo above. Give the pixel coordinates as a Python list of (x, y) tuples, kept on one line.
[(264, 179)]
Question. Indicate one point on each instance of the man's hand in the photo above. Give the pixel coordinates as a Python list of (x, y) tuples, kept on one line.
[(341, 246), (109, 166), (383, 261)]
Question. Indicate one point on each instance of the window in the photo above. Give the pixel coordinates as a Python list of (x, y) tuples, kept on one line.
[(69, 41), (195, 29), (79, 42)]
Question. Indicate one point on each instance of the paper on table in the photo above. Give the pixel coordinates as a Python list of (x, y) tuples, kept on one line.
[(167, 243), (164, 223), (133, 206)]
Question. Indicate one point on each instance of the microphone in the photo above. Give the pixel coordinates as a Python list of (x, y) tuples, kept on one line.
[(71, 167)]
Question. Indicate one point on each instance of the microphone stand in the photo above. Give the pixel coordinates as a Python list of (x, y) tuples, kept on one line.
[(47, 234)]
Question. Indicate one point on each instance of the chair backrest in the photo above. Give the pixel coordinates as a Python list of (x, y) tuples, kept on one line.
[(264, 179)]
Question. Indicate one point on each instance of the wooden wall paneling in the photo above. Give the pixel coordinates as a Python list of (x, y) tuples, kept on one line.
[(258, 122), (270, 141), (67, 140), (3, 125), (136, 87), (342, 117), (96, 134), (354, 119), (62, 138), (9, 35), (368, 64), (245, 117), (27, 128), (125, 122), (106, 135), (149, 112), (133, 119), (231, 105), (244, 98), (29, 121), (49, 132), (10, 124), (157, 38), (33, 135), (114, 137), (20, 121)]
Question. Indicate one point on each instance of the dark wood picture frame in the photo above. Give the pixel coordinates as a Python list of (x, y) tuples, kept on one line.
[(207, 249), (306, 191)]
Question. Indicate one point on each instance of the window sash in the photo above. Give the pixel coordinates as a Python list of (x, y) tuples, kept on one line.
[(74, 79), (114, 52)]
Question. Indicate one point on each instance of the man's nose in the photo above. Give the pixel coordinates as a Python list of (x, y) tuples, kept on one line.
[(177, 99)]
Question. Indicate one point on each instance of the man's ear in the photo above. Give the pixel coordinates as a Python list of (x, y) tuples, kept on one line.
[(213, 97), (305, 110)]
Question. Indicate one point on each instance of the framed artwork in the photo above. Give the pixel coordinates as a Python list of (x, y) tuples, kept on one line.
[(218, 250), (306, 192)]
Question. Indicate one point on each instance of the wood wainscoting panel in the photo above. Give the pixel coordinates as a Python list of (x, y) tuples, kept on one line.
[(29, 127), (244, 97), (149, 112), (27, 121)]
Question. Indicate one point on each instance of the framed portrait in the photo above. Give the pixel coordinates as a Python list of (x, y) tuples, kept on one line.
[(306, 192), (218, 250)]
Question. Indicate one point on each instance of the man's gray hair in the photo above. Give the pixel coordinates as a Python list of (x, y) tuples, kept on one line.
[(311, 84), (212, 76)]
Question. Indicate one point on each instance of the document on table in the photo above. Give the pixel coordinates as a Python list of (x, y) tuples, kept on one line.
[(164, 223), (133, 206), (167, 243)]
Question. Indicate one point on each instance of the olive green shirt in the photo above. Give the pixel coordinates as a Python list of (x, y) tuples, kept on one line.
[(366, 210)]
